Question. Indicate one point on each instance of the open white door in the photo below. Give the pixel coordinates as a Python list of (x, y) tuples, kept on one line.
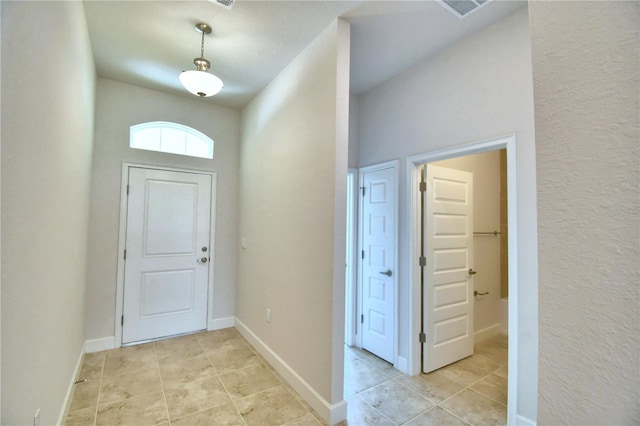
[(378, 260), (167, 254), (448, 285)]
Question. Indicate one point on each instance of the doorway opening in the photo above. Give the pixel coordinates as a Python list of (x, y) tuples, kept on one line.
[(414, 171), (465, 240)]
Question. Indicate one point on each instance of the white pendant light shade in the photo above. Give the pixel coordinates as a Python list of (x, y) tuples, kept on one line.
[(201, 83)]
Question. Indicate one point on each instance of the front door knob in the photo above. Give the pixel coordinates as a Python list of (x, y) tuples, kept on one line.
[(387, 272), (202, 260), (472, 272)]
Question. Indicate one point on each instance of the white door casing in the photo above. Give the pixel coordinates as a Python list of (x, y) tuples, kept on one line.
[(378, 265), (166, 277), (448, 287)]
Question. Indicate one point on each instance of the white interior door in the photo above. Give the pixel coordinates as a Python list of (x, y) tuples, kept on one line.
[(378, 261), (167, 254), (448, 287)]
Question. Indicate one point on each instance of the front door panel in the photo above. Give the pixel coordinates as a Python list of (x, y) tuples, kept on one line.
[(168, 250)]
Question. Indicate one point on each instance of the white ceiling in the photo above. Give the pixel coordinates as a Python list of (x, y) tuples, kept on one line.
[(148, 43)]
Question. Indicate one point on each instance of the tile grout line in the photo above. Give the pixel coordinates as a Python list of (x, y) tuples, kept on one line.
[(282, 382), (215, 370), (376, 410), (456, 416), (162, 387), (488, 397), (104, 365)]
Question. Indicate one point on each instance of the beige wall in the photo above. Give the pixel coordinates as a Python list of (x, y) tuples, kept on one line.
[(486, 249), (118, 106), (585, 68), (477, 89), (47, 135), (292, 212)]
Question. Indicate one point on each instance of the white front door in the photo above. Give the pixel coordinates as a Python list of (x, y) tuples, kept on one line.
[(167, 254), (448, 285), (378, 261)]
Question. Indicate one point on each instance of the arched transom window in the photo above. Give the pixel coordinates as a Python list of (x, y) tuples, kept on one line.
[(171, 138)]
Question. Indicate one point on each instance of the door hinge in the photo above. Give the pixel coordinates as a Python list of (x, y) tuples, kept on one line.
[(125, 254), (122, 320), (423, 186), (127, 189), (362, 254), (423, 338), (423, 261), (361, 318), (364, 188)]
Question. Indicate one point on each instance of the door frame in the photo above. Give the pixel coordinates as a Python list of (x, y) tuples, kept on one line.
[(122, 240), (395, 165), (413, 165), (351, 275)]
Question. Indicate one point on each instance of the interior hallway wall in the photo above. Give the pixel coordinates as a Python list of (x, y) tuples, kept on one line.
[(586, 72), (47, 136), (479, 88), (118, 106), (486, 249), (293, 212)]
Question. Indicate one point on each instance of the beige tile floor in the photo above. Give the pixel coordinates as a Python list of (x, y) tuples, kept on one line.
[(211, 378), (217, 378), (472, 391)]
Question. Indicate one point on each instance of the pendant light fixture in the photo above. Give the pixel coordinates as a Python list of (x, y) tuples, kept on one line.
[(199, 81)]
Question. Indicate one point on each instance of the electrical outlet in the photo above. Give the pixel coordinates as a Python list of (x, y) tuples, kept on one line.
[(36, 418), (268, 315)]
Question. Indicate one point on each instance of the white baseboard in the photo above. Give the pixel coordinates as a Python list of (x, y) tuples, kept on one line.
[(524, 421), (486, 333), (331, 413), (402, 364), (66, 404), (97, 345), (220, 323)]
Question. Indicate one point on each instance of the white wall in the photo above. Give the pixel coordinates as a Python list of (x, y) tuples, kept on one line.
[(486, 249), (478, 89), (47, 134), (586, 68), (353, 132), (118, 106), (292, 212)]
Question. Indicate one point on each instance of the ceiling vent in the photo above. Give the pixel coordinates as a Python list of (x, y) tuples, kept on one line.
[(462, 8), (227, 4)]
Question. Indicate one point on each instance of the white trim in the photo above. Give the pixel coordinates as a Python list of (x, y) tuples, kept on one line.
[(220, 323), (487, 333), (66, 403), (330, 413), (122, 239), (351, 308), (402, 364), (413, 205), (512, 234), (212, 249), (524, 421), (97, 345), (395, 165)]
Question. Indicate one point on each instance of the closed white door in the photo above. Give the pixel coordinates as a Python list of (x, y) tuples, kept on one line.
[(167, 254), (378, 275), (448, 287)]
